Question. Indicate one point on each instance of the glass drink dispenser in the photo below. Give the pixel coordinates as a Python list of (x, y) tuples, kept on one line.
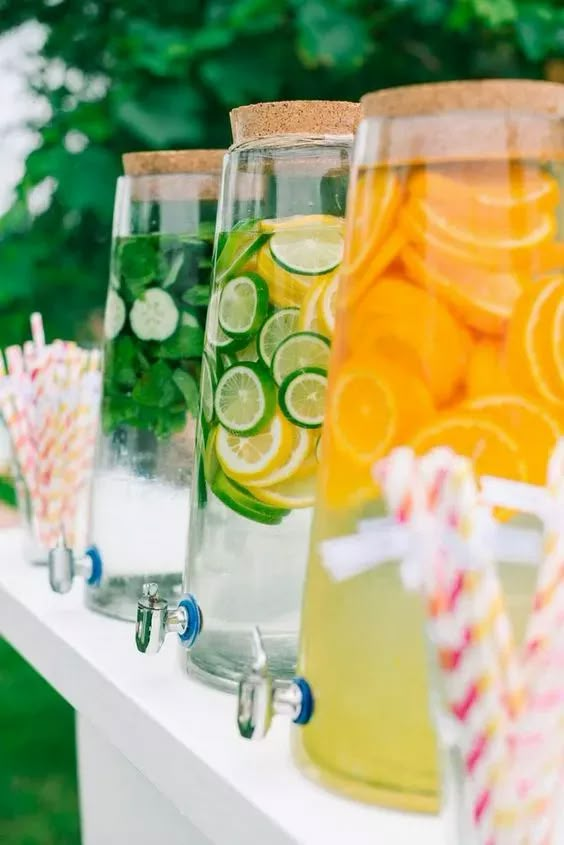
[(264, 373), (450, 316), (164, 222)]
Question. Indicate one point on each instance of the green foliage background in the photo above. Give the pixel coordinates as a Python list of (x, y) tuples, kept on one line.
[(157, 75)]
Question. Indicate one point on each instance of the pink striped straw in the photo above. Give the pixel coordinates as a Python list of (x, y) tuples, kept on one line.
[(37, 330)]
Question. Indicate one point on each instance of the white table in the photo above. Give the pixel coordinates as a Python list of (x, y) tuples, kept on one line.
[(160, 759)]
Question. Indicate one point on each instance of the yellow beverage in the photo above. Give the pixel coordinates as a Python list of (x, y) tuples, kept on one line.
[(449, 332)]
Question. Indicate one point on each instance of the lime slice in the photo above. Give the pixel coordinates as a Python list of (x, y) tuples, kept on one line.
[(293, 493), (221, 341), (243, 305), (308, 251), (299, 350), (245, 398), (249, 458), (238, 499), (301, 448), (248, 353), (302, 397), (237, 247), (281, 324), (207, 388)]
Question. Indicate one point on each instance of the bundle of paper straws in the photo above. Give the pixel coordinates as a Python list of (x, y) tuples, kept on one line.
[(49, 398), (503, 707)]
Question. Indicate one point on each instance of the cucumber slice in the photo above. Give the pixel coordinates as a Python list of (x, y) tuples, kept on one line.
[(302, 397), (238, 499), (243, 305), (237, 247), (299, 351), (281, 324), (207, 386), (308, 251), (114, 315), (154, 316), (245, 398)]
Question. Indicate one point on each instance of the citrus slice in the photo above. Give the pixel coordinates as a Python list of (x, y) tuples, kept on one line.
[(527, 422), (483, 300), (285, 289), (492, 451), (500, 248), (248, 458), (487, 369), (243, 305), (240, 500), (309, 319), (297, 351), (294, 493), (327, 306), (279, 326), (362, 414), (531, 354), (414, 402), (359, 279), (302, 397), (308, 251), (245, 398), (237, 247), (248, 353), (301, 447), (375, 201), (399, 320), (297, 221), (207, 387)]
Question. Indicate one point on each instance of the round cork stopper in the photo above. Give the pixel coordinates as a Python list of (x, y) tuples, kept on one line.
[(536, 97), (454, 121), (173, 161), (293, 117)]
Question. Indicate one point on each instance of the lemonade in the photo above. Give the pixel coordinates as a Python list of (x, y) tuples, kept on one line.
[(450, 332)]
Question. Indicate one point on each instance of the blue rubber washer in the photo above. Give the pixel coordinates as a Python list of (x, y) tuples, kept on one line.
[(96, 560), (306, 709), (193, 621)]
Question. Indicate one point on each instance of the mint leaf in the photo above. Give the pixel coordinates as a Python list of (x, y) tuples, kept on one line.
[(186, 342), (137, 259), (156, 389), (198, 296), (188, 385)]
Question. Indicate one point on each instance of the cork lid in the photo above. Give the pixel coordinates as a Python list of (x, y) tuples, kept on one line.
[(294, 117), (472, 120), (173, 161), (532, 96)]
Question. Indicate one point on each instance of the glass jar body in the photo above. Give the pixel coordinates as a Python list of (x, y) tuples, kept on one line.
[(447, 316), (256, 475), (154, 328)]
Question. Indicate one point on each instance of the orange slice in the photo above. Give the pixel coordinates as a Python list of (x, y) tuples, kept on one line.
[(527, 422), (532, 351), (502, 250), (363, 414), (414, 402), (399, 320), (483, 300), (375, 200), (487, 369), (360, 278), (492, 451), (491, 185)]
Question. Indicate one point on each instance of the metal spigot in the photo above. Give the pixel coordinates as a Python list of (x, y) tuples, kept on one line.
[(261, 698), (155, 620), (63, 566)]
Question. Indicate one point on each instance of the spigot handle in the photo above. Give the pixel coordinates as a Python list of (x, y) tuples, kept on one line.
[(63, 566), (155, 620)]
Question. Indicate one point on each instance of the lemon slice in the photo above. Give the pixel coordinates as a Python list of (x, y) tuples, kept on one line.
[(301, 448), (294, 493), (327, 307), (296, 221), (308, 250), (309, 319), (247, 458)]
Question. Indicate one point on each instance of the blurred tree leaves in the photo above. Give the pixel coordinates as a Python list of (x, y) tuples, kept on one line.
[(140, 75)]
